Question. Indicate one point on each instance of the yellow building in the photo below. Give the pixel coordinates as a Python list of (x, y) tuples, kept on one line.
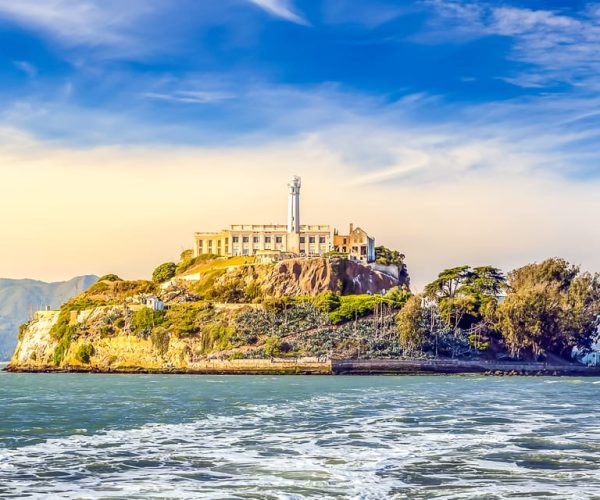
[(357, 244), (248, 239)]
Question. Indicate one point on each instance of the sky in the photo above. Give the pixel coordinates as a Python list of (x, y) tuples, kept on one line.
[(458, 132)]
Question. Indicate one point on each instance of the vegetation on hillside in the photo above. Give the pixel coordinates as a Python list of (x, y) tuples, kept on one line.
[(164, 272), (535, 311), (549, 308)]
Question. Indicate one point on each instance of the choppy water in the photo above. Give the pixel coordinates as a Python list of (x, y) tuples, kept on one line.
[(141, 436)]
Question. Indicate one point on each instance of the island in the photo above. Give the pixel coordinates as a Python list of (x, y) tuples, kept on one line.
[(293, 298)]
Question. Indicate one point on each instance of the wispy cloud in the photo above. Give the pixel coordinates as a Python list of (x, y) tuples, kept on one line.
[(558, 48), (26, 67), (191, 96), (282, 9), (369, 14), (75, 22)]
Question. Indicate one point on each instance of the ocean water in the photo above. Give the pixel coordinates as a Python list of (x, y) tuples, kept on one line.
[(153, 436)]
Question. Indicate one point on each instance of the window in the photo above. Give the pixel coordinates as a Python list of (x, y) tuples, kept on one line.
[(267, 239), (219, 243), (278, 239), (321, 239), (302, 239), (345, 241), (255, 239), (311, 239), (245, 239), (235, 239)]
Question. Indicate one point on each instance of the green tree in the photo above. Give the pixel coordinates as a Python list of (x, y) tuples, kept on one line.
[(448, 283), (551, 307), (164, 272), (462, 293), (388, 257), (413, 326), (186, 255)]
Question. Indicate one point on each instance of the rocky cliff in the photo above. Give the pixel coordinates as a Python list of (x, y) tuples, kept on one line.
[(244, 313), (310, 277)]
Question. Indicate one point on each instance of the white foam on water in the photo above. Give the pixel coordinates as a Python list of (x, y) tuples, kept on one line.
[(320, 447)]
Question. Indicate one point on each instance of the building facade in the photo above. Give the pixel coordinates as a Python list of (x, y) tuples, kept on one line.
[(357, 244), (291, 238)]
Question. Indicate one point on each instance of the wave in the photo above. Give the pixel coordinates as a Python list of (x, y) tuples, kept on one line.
[(391, 444)]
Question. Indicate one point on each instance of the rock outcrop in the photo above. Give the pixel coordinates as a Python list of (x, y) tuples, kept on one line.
[(318, 275)]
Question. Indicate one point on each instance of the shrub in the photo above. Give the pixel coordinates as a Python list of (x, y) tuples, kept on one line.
[(232, 291), (164, 272), (106, 330), (186, 319), (63, 346), (388, 257), (215, 336), (160, 340), (22, 329), (327, 302), (398, 296), (186, 255), (144, 320), (110, 277), (354, 307), (84, 353), (253, 292), (272, 346), (334, 253)]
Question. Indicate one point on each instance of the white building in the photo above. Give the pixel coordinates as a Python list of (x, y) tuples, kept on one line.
[(291, 239), (251, 239)]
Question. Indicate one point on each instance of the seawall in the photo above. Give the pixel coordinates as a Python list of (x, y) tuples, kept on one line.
[(450, 366), (276, 366), (313, 366)]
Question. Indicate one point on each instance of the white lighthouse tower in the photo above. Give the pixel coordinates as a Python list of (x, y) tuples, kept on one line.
[(294, 214), (294, 205)]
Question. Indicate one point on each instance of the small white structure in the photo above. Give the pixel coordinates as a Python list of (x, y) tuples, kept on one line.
[(153, 303), (591, 358)]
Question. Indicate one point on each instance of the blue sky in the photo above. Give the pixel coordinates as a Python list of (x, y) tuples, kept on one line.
[(410, 95), (203, 72)]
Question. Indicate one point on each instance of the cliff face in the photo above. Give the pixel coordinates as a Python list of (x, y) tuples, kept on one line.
[(35, 345), (315, 276), (307, 277)]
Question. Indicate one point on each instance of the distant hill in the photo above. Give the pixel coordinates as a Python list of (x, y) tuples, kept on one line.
[(18, 298)]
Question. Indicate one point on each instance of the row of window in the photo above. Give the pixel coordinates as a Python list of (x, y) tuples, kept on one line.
[(255, 239), (278, 239), (248, 251)]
